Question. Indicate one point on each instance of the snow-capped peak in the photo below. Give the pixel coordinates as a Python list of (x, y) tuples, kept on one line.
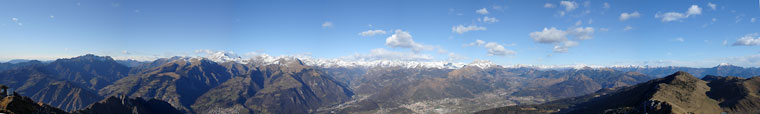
[(725, 64), (482, 63), (264, 59)]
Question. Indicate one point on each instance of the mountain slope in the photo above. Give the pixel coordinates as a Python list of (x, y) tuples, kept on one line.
[(736, 94), (720, 70), (14, 65), (178, 82), (286, 87), (124, 105), (677, 93), (17, 104), (47, 89), (93, 72)]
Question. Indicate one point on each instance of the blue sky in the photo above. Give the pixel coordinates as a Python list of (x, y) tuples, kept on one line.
[(539, 32)]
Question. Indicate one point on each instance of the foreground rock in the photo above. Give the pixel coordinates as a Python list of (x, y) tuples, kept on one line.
[(16, 104)]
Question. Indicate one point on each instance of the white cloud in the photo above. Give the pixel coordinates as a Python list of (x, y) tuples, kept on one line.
[(549, 35), (679, 39), (569, 5), (487, 19), (257, 55), (750, 60), (372, 32), (461, 29), (559, 37), (675, 16), (327, 24), (497, 49), (482, 11), (52, 16), (402, 39), (694, 10), (753, 20), (383, 54), (209, 52), (627, 28), (494, 49), (549, 5), (626, 16), (125, 52), (578, 23), (712, 6), (670, 16), (563, 47), (582, 33), (476, 43), (606, 5), (748, 40)]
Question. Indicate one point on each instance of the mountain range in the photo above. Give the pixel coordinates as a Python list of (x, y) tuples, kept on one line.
[(17, 104), (224, 84), (678, 93)]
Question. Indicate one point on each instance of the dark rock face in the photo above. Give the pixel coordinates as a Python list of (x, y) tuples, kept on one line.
[(124, 105), (651, 107)]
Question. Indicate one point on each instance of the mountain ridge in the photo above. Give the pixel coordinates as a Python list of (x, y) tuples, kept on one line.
[(679, 92)]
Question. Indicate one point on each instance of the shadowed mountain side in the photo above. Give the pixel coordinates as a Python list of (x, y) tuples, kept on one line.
[(124, 105), (735, 94)]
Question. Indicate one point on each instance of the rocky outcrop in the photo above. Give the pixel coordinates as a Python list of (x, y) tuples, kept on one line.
[(16, 104)]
